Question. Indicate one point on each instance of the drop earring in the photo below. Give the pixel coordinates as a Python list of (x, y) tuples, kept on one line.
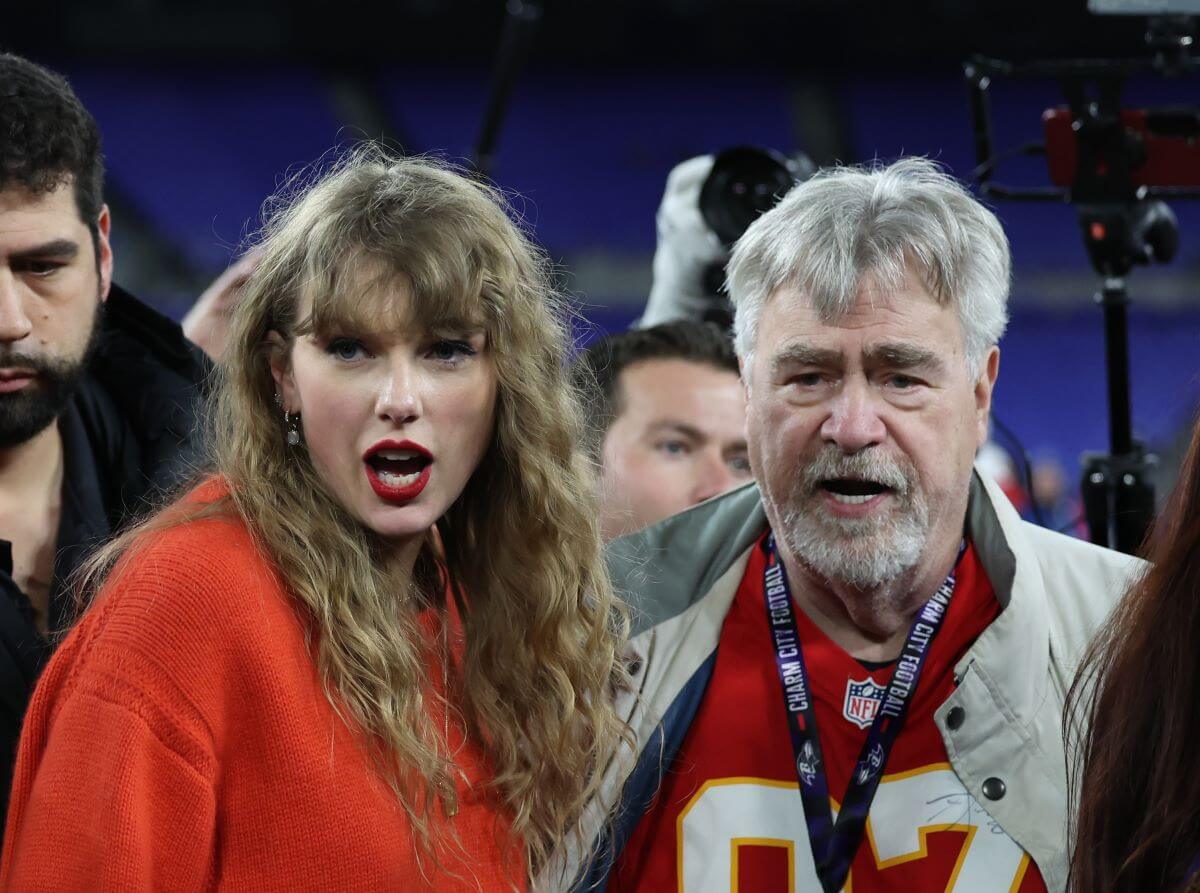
[(292, 422)]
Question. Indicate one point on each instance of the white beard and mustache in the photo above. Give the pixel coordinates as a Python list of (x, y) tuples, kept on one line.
[(864, 553)]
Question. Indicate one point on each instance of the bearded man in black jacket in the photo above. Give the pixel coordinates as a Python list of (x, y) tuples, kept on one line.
[(99, 394)]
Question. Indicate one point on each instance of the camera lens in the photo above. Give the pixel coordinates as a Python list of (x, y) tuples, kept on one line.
[(743, 183)]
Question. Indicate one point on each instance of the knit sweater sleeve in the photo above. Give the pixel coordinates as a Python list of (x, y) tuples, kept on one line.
[(114, 788), (103, 803)]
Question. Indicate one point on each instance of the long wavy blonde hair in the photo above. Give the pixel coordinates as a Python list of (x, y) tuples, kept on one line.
[(520, 547)]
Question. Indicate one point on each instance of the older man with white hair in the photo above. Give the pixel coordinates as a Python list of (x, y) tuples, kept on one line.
[(853, 672)]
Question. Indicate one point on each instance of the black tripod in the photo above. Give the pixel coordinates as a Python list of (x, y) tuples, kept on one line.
[(1118, 493)]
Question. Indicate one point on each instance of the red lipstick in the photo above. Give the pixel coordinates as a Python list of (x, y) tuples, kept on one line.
[(381, 463)]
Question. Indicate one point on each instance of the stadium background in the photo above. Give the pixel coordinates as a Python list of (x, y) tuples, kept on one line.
[(206, 107)]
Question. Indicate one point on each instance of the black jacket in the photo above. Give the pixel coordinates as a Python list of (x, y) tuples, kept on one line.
[(130, 433)]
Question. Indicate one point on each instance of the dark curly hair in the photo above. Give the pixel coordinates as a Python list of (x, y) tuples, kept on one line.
[(47, 137)]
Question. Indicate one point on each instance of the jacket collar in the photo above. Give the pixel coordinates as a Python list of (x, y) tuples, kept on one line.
[(666, 568), (153, 373), (1015, 648)]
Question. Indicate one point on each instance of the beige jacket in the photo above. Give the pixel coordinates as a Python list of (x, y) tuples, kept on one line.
[(680, 577)]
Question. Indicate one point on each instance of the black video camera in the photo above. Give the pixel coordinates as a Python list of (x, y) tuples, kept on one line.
[(709, 201)]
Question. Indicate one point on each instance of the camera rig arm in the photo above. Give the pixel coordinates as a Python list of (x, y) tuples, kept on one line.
[(1116, 166)]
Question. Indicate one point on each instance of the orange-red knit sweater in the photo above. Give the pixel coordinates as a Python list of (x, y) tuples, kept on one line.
[(181, 739)]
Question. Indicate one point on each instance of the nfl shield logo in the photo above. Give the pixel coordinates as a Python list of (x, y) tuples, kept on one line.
[(862, 701)]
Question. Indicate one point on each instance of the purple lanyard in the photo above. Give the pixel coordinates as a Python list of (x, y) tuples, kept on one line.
[(834, 844)]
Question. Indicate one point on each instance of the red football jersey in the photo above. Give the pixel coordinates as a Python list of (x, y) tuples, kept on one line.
[(729, 817)]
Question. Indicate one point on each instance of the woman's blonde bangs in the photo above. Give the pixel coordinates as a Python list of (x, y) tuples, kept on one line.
[(374, 293), (376, 245)]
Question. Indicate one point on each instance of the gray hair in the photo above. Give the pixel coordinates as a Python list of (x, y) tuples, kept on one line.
[(847, 222)]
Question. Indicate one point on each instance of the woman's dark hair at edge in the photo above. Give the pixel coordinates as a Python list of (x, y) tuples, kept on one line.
[(1137, 695)]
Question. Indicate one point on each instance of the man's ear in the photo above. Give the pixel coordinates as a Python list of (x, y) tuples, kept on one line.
[(984, 386), (104, 255), (279, 358)]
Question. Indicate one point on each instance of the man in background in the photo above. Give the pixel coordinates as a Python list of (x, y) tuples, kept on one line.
[(666, 421), (99, 394)]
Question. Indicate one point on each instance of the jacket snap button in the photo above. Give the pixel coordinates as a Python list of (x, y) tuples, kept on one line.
[(954, 719), (994, 789)]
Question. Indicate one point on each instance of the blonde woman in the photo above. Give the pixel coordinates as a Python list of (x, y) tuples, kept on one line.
[(374, 650)]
